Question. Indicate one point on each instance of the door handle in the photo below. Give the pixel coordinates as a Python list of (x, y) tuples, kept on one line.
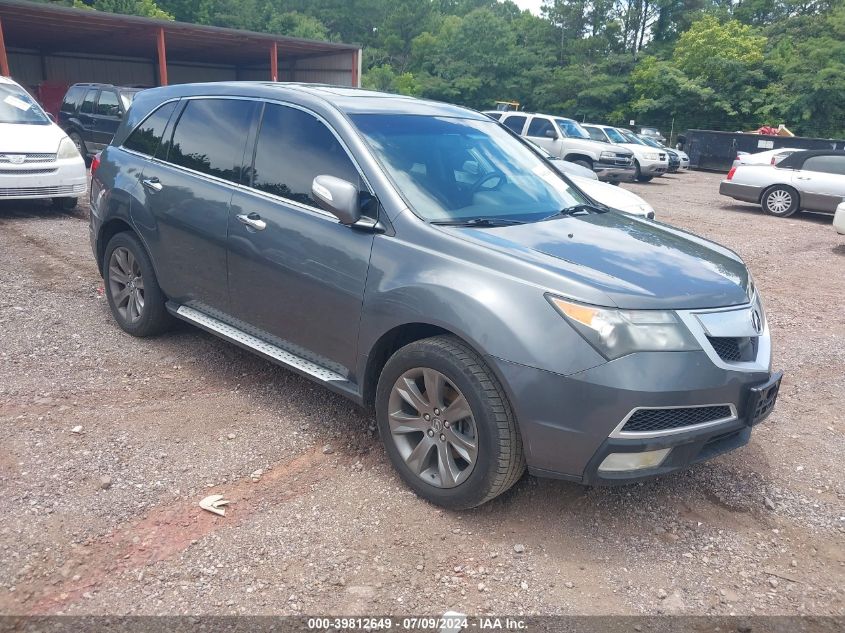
[(252, 220), (152, 184), (802, 178)]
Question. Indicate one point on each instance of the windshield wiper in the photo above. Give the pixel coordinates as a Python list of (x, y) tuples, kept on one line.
[(586, 208), (478, 222)]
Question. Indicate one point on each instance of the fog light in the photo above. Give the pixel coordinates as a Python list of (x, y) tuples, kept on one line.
[(620, 462)]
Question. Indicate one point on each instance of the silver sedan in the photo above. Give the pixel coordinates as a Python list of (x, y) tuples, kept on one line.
[(808, 180)]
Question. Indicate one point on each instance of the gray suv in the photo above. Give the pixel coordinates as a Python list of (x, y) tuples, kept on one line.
[(422, 261)]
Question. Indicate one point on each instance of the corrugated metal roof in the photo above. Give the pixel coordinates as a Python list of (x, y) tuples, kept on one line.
[(29, 25)]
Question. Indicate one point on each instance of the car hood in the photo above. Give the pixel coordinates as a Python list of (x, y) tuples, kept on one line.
[(612, 196), (635, 263), (29, 139)]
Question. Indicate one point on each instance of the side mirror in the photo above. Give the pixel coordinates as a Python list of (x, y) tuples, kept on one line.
[(338, 197), (551, 134)]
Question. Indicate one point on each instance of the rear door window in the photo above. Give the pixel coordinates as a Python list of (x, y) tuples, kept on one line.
[(210, 136), (516, 123), (147, 137), (826, 164), (90, 99), (108, 105), (293, 148), (540, 127)]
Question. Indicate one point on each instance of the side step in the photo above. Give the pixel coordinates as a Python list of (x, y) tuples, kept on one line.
[(261, 347)]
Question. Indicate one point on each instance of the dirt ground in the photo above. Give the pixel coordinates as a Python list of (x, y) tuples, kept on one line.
[(109, 443)]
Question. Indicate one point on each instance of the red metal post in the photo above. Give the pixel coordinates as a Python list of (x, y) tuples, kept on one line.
[(4, 60), (274, 62), (162, 58), (354, 69)]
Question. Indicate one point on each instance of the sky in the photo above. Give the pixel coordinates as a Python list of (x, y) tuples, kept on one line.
[(531, 5)]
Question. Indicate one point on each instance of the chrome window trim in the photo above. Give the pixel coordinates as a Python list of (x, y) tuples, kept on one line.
[(618, 433), (247, 188)]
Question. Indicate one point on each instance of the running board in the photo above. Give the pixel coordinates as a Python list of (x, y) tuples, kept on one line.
[(260, 346)]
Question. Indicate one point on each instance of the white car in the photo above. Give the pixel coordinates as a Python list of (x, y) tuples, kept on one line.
[(37, 159), (769, 157), (811, 180), (648, 161), (839, 219), (586, 180)]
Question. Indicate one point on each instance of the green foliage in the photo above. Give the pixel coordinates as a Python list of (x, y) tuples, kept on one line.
[(722, 64)]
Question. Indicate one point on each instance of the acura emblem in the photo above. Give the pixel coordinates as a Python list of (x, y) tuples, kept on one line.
[(756, 321), (16, 159)]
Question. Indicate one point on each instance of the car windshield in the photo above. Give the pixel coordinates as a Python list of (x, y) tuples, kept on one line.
[(630, 137), (650, 141), (571, 128), (454, 169), (17, 106), (614, 135)]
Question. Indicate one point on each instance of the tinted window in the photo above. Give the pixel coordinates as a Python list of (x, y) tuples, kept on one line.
[(826, 164), (88, 104), (596, 134), (210, 136), (108, 105), (72, 99), (515, 123), (293, 148), (147, 136), (539, 127), (494, 115)]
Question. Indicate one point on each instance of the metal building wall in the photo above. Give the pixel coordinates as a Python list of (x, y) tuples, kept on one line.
[(329, 69)]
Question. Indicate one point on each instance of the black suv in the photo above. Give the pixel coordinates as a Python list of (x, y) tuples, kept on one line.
[(90, 114)]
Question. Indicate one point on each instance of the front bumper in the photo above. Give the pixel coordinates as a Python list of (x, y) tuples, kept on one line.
[(608, 172), (32, 180), (570, 424), (746, 193), (653, 168)]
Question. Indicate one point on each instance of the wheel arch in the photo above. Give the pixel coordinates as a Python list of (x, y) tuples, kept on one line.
[(785, 185), (573, 156), (111, 228)]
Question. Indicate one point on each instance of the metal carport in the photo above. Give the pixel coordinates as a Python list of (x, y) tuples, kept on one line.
[(49, 45)]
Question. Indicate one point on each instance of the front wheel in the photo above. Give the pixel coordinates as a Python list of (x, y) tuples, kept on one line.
[(447, 425), (639, 174), (780, 201), (583, 163)]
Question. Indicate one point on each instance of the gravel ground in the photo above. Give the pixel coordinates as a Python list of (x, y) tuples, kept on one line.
[(110, 442)]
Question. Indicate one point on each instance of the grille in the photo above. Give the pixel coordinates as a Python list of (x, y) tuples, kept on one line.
[(662, 156), (58, 190), (650, 420), (29, 158), (734, 349), (27, 172)]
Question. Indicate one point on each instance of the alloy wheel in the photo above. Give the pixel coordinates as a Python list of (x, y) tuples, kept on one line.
[(779, 201), (126, 284), (433, 427)]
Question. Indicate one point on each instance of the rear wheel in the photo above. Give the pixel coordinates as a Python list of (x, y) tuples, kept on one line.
[(780, 201), (447, 425), (135, 298)]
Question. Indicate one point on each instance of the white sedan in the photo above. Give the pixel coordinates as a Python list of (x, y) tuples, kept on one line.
[(609, 195), (811, 180), (37, 159), (839, 219), (769, 157)]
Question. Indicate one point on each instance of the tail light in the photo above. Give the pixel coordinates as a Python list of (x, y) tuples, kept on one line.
[(731, 173), (774, 162), (95, 163)]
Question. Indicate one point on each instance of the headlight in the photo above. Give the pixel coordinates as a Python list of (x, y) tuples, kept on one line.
[(652, 156), (607, 156), (67, 149), (615, 333)]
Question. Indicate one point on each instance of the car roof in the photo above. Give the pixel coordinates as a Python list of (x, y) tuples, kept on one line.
[(347, 100), (796, 159)]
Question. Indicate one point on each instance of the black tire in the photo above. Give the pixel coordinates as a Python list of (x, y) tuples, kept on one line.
[(153, 317), (583, 162), (80, 145), (774, 198), (638, 174), (645, 178), (65, 204), (500, 461)]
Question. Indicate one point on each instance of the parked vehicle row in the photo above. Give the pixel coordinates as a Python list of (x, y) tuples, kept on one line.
[(812, 180), (567, 140), (37, 159), (419, 259), (648, 161)]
